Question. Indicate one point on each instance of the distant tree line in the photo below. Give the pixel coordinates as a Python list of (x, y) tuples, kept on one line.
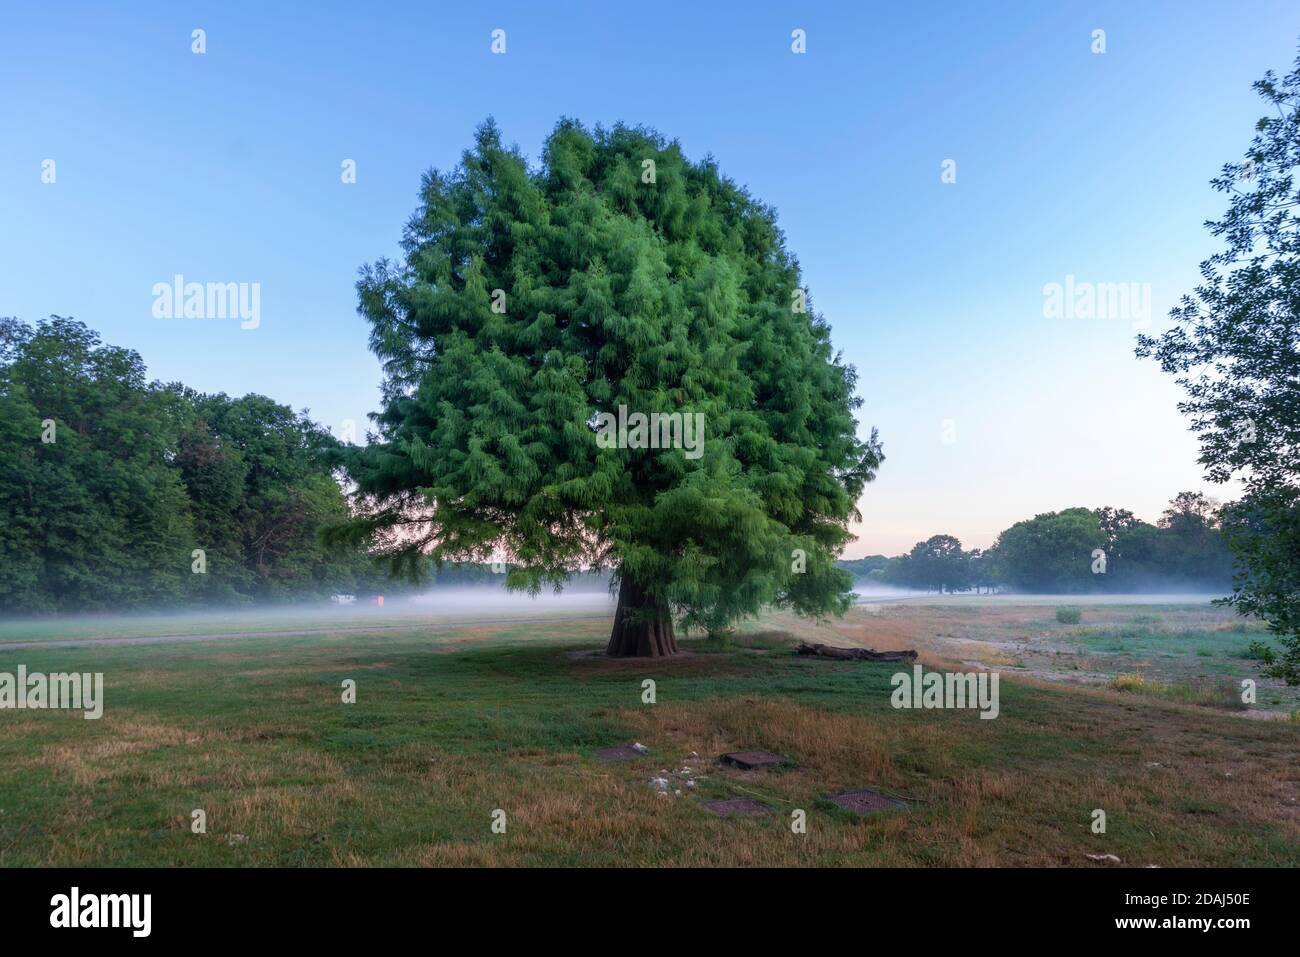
[(1075, 550), (118, 492), (121, 493)]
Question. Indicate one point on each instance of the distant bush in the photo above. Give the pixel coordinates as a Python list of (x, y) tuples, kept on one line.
[(1261, 651), (1069, 615)]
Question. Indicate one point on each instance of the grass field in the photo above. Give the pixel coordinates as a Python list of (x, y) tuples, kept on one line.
[(1183, 651), (451, 725)]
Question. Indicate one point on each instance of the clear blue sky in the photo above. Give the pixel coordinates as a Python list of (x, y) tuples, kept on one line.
[(225, 167)]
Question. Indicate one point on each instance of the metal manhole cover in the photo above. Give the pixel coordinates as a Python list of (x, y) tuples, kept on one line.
[(750, 760), (737, 807), (866, 801), (622, 752)]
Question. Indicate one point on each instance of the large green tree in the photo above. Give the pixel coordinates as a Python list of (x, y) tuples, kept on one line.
[(1191, 544), (938, 563), (532, 307), (1235, 348), (1053, 551)]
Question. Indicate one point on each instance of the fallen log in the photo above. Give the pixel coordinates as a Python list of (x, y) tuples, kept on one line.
[(855, 654)]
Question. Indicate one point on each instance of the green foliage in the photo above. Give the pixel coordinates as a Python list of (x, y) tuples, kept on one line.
[(1235, 348), (937, 564), (1055, 551), (1261, 652), (136, 475), (1186, 549), (1069, 614), (1052, 551), (671, 296), (261, 493), (863, 568), (1191, 544), (92, 521), (1264, 531)]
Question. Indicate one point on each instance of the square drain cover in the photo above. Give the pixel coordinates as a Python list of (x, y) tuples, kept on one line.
[(737, 807), (750, 760), (622, 752), (866, 801)]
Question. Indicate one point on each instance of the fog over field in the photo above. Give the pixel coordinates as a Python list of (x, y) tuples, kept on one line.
[(439, 605), (883, 594), (462, 606)]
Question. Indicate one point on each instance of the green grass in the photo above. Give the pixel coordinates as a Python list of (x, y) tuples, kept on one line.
[(449, 726)]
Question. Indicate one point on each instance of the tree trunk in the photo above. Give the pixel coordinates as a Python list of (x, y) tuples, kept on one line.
[(643, 628)]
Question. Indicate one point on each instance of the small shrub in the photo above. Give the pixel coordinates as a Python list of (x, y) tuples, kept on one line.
[(1069, 615), (1259, 650), (1135, 681)]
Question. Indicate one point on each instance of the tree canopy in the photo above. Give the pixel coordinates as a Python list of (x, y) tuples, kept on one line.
[(1235, 348), (617, 278), (109, 482)]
